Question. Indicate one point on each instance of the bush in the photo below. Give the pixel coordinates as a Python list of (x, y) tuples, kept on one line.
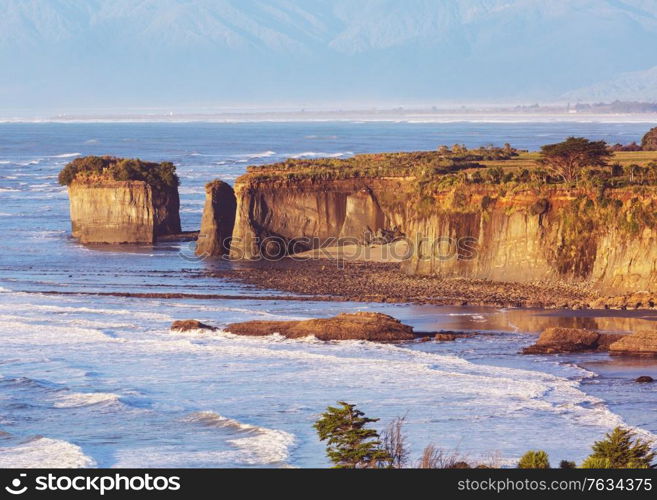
[(534, 460), (567, 464), (620, 449), (159, 175)]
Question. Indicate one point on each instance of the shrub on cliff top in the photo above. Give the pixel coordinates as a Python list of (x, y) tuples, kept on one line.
[(159, 175)]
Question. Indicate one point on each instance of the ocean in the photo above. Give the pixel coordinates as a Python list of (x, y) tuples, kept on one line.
[(100, 381)]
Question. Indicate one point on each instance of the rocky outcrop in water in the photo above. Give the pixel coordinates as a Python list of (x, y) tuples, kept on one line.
[(643, 343), (122, 212), (187, 325), (117, 201), (561, 340), (218, 220), (356, 326)]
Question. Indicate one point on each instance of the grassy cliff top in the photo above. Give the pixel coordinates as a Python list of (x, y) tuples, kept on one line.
[(445, 168), (400, 164), (94, 169)]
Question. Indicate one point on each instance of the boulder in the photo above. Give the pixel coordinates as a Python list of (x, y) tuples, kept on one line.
[(559, 340), (347, 326), (649, 141), (187, 325), (642, 343), (446, 337), (644, 379), (218, 220)]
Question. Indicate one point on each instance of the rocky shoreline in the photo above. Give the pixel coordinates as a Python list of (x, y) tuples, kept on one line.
[(384, 282)]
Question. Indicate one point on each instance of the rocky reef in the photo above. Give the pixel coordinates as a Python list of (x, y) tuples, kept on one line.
[(641, 343), (355, 326), (188, 325), (561, 340), (218, 220), (114, 201)]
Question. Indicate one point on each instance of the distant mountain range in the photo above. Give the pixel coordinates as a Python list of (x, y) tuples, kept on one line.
[(115, 54)]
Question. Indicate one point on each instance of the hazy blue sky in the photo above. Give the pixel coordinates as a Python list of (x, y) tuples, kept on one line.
[(68, 55)]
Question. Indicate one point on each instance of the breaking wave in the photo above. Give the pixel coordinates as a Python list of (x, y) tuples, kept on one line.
[(45, 453), (255, 445)]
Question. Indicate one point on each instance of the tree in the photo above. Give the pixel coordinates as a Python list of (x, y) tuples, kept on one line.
[(394, 442), (620, 449), (349, 443), (649, 141), (534, 460), (568, 158)]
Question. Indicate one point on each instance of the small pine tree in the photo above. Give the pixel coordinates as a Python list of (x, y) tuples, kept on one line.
[(620, 450), (349, 443), (534, 460)]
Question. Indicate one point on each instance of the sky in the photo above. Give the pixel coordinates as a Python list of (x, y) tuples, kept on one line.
[(204, 55)]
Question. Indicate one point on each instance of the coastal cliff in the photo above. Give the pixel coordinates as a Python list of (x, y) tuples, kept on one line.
[(308, 214), (115, 201), (507, 229)]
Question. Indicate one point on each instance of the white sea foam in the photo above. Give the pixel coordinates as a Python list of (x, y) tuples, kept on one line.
[(44, 453), (498, 391), (256, 445), (315, 154), (264, 154), (65, 155), (22, 332), (48, 308), (80, 399)]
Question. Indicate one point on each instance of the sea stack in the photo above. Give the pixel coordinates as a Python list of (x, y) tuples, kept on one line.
[(116, 201), (218, 220)]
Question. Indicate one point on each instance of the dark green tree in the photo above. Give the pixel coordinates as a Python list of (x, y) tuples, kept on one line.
[(350, 444), (568, 158), (620, 449)]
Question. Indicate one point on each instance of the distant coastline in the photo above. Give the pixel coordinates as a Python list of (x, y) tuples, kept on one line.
[(603, 113)]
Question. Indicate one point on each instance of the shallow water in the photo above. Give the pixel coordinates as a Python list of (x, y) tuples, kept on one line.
[(104, 383)]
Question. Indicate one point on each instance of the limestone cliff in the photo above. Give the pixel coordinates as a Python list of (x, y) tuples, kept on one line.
[(518, 233), (549, 234), (308, 213), (218, 220), (116, 201), (116, 212)]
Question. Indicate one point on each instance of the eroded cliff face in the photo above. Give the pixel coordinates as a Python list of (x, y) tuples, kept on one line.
[(608, 240), (309, 214), (556, 234), (218, 220), (114, 212)]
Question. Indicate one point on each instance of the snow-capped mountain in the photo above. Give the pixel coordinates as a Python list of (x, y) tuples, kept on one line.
[(175, 52)]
